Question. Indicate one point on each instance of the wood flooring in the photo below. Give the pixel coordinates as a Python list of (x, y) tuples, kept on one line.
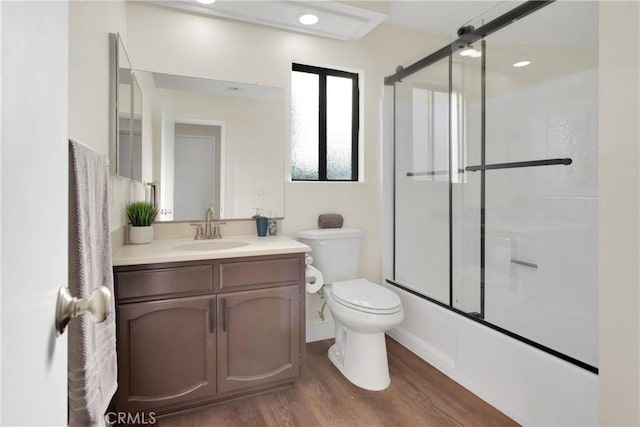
[(419, 395)]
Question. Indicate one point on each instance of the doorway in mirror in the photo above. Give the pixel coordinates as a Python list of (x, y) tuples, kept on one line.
[(193, 169), (197, 171)]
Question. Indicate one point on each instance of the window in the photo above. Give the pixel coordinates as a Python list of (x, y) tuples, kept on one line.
[(324, 124), (433, 132)]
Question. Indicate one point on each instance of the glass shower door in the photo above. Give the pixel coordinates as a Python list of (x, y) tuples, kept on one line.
[(534, 180), (421, 259), (496, 178)]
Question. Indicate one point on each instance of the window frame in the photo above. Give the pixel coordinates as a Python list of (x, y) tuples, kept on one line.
[(322, 74)]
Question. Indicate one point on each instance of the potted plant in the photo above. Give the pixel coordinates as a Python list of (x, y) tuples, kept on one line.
[(141, 215)]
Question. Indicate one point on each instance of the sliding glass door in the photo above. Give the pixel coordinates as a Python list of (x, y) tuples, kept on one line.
[(422, 240), (496, 186)]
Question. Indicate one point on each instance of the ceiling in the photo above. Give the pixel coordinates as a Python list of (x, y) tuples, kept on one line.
[(443, 17), (577, 18), (353, 19), (336, 20)]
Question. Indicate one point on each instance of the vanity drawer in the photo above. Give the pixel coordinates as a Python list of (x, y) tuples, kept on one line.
[(159, 282), (255, 273)]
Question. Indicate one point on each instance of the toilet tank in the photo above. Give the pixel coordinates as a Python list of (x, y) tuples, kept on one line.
[(335, 251)]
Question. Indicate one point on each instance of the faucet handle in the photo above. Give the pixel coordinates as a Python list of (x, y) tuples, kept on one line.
[(199, 232), (216, 230)]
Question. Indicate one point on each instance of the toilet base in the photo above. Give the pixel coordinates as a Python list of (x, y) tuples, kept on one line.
[(361, 358)]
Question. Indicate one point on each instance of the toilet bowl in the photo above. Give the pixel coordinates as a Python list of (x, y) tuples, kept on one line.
[(363, 311), (361, 319)]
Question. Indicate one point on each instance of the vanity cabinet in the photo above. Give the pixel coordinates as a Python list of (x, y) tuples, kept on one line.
[(258, 337), (170, 353), (197, 332)]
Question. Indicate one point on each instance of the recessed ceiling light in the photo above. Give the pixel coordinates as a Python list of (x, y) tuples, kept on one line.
[(206, 1), (521, 64), (308, 19), (471, 52)]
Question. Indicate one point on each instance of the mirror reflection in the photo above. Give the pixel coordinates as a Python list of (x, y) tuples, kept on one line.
[(130, 132), (215, 144), (125, 152)]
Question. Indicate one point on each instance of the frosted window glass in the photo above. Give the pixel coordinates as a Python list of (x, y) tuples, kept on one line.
[(339, 127), (304, 125)]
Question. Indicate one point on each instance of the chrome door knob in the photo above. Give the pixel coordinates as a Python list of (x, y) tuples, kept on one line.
[(97, 306)]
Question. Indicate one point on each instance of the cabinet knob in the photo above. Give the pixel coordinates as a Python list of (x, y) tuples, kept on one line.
[(97, 306)]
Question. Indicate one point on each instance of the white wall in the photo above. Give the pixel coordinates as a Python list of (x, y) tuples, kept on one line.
[(89, 26), (213, 48), (619, 213)]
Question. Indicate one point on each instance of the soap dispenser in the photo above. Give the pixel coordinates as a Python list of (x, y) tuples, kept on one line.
[(273, 225)]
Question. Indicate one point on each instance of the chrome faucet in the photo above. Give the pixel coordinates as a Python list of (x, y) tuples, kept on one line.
[(199, 232), (216, 230), (208, 234), (210, 229)]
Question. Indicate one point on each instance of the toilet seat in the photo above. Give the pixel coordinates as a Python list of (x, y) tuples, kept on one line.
[(362, 295)]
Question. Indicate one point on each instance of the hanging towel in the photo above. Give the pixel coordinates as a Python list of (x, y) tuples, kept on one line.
[(92, 368)]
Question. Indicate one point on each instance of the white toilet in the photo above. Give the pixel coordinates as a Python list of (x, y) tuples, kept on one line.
[(362, 311)]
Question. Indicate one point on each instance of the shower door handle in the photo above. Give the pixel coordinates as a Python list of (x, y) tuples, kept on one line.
[(547, 162), (524, 263)]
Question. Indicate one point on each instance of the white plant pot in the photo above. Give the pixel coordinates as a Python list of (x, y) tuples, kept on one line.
[(140, 235)]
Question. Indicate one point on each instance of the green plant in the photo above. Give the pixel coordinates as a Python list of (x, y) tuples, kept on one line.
[(141, 214)]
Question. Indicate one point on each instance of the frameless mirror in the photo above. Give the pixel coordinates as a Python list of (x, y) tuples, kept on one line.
[(215, 144), (125, 147)]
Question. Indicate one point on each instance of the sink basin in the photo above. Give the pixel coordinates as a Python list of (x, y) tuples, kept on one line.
[(210, 246)]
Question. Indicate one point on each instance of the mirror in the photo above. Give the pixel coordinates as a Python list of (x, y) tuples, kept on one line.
[(215, 144), (125, 150)]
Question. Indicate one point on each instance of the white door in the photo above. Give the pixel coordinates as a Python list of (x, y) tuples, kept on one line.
[(34, 40), (194, 181)]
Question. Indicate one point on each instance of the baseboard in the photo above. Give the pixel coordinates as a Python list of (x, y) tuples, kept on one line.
[(320, 331)]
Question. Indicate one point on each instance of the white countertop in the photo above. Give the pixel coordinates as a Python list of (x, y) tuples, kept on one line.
[(163, 250)]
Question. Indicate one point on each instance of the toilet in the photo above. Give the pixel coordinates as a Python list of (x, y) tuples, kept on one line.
[(362, 311)]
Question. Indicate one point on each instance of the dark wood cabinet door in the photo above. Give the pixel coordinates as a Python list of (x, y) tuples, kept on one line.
[(258, 337), (166, 353)]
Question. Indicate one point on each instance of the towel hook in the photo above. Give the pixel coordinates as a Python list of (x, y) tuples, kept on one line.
[(67, 307)]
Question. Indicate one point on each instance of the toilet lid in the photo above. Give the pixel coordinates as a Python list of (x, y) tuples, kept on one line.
[(363, 295)]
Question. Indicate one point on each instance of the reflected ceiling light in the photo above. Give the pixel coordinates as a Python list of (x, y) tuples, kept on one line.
[(521, 64), (206, 1), (471, 52), (308, 19)]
